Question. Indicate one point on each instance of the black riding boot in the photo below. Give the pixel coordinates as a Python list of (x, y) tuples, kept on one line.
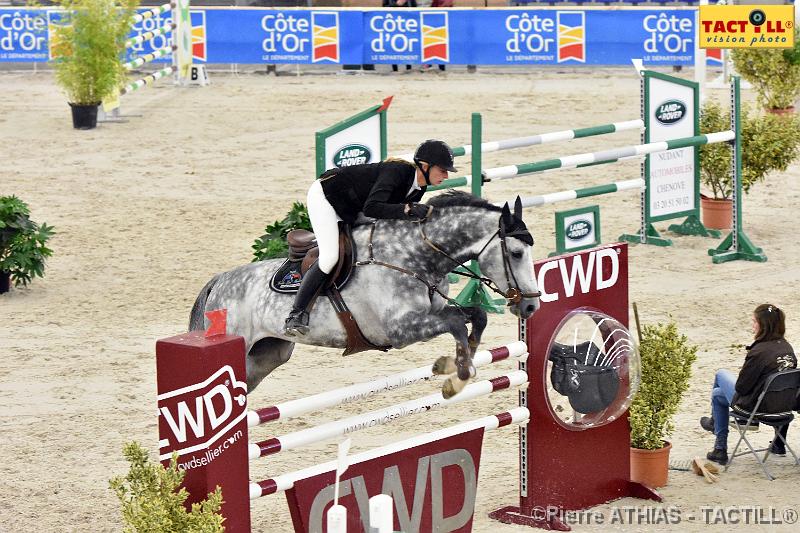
[(313, 281)]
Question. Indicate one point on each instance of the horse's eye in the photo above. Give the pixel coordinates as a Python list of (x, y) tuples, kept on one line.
[(516, 255)]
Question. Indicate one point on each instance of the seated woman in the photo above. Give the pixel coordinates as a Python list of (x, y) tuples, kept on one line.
[(768, 354)]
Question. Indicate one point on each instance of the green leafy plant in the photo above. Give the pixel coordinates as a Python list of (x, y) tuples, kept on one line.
[(152, 502), (666, 368), (23, 249), (273, 243), (88, 47), (774, 72), (769, 143)]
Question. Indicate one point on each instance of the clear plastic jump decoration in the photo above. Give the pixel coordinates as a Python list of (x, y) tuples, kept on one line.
[(593, 370)]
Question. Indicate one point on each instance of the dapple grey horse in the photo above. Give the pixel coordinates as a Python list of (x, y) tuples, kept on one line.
[(392, 307)]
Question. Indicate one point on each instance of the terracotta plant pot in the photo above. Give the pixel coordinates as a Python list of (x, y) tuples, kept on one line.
[(717, 214), (650, 467), (5, 282), (781, 110)]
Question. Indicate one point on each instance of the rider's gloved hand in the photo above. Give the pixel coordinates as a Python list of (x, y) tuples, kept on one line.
[(418, 211)]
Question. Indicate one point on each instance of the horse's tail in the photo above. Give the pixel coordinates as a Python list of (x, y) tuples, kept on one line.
[(197, 316)]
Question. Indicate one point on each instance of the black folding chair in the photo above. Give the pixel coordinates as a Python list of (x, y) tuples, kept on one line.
[(781, 391)]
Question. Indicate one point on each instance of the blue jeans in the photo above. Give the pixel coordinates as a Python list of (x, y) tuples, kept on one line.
[(721, 397)]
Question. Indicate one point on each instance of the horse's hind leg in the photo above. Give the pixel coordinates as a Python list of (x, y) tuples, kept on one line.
[(265, 356)]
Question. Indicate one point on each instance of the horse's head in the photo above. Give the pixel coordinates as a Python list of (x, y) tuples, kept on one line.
[(509, 262)]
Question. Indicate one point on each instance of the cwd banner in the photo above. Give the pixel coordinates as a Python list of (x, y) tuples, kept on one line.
[(513, 36)]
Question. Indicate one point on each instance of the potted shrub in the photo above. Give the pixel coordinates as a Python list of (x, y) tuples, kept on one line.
[(23, 242), (773, 72), (273, 243), (88, 46), (666, 366), (152, 498), (769, 142)]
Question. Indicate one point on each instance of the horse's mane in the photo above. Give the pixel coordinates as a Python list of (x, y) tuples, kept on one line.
[(454, 198)]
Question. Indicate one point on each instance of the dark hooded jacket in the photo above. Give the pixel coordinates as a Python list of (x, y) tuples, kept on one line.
[(763, 359)]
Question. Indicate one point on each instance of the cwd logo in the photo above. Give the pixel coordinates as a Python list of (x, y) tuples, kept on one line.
[(198, 21), (200, 414), (435, 36), (325, 37), (595, 271), (571, 36)]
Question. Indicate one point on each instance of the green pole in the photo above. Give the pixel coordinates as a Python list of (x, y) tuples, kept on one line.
[(475, 294), (449, 183), (477, 156), (737, 244)]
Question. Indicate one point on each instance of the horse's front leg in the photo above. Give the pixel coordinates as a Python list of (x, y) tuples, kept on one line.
[(478, 318), (425, 326)]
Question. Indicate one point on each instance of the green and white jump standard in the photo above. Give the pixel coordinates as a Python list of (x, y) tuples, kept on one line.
[(737, 244), (177, 32)]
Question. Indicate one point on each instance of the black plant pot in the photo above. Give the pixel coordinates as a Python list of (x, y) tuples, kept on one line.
[(5, 282), (84, 117)]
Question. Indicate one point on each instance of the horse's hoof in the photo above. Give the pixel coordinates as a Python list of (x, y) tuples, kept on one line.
[(466, 372), (444, 365), (451, 387)]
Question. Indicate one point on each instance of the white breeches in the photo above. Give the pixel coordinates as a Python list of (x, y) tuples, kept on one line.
[(325, 222)]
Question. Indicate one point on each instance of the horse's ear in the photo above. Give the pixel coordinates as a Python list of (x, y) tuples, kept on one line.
[(506, 212), (518, 208)]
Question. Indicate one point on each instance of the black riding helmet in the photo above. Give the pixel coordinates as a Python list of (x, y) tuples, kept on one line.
[(434, 152)]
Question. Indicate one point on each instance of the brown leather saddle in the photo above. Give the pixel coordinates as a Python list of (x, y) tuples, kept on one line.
[(303, 249)]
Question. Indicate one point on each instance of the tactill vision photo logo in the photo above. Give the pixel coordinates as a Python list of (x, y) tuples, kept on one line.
[(748, 26), (199, 415)]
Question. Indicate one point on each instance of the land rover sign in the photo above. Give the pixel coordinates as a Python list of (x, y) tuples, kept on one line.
[(352, 154), (670, 112), (578, 229)]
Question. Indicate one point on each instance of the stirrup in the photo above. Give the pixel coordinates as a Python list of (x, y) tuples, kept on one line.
[(296, 324)]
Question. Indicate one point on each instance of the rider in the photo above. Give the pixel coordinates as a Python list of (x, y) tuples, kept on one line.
[(389, 189)]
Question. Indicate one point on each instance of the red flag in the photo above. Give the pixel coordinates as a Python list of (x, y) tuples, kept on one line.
[(218, 322)]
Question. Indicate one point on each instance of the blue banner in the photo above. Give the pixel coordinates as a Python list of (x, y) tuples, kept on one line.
[(661, 36), (24, 35)]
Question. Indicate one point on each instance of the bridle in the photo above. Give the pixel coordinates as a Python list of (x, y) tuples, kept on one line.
[(514, 294)]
